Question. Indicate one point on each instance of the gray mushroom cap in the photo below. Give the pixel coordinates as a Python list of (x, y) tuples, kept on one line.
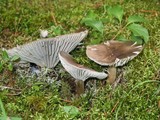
[(113, 52), (79, 72), (44, 52)]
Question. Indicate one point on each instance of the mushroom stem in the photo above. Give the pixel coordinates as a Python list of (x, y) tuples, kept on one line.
[(79, 87), (111, 74)]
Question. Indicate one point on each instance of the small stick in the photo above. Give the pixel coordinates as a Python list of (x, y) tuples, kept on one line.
[(52, 15), (155, 13), (14, 94), (66, 100), (114, 107), (149, 11), (6, 87), (117, 81)]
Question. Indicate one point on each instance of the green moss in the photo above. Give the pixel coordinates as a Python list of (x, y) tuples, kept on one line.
[(23, 19)]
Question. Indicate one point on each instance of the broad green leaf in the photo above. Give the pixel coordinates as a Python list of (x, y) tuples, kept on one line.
[(139, 30), (137, 39), (10, 66), (89, 17), (91, 14), (57, 31), (14, 58), (91, 21), (5, 55), (87, 20), (116, 11), (135, 18), (71, 110), (96, 24)]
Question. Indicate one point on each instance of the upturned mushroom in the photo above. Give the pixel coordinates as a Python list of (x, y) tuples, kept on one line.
[(113, 53), (79, 72), (44, 52)]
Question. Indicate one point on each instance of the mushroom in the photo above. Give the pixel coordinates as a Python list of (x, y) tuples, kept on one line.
[(44, 52), (113, 53), (79, 72)]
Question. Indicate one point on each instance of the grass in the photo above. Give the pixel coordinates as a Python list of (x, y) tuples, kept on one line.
[(136, 98)]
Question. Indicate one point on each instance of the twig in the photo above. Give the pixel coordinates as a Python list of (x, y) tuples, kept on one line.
[(52, 15), (121, 29), (155, 13), (6, 87), (116, 35), (149, 11), (68, 101), (114, 107), (117, 81), (14, 94)]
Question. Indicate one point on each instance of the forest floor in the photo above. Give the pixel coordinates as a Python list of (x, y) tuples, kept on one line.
[(136, 97)]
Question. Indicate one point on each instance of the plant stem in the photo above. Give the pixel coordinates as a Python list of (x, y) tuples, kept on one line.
[(119, 31), (79, 87), (112, 71)]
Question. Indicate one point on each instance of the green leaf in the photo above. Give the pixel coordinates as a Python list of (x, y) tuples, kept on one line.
[(14, 58), (71, 110), (96, 24), (55, 30), (135, 18), (91, 14), (116, 11), (137, 39), (10, 66), (91, 21), (139, 30), (5, 55)]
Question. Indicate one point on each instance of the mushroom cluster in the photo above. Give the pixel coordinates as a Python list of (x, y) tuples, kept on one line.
[(48, 52)]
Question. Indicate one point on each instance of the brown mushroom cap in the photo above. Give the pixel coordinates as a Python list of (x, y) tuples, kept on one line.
[(44, 52), (78, 71), (113, 52)]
